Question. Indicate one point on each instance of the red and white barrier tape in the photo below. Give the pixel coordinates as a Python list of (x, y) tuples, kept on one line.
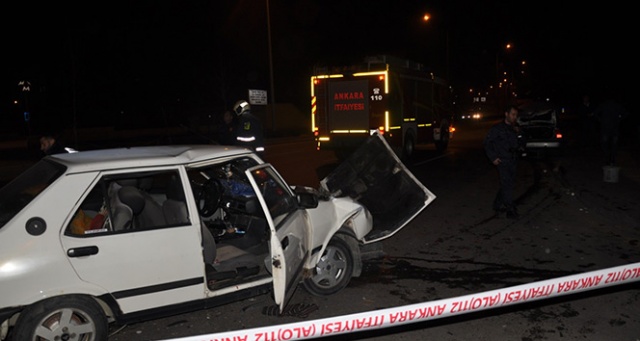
[(420, 312)]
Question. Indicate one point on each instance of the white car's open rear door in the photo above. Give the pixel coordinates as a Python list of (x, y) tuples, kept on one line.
[(289, 228), (375, 177)]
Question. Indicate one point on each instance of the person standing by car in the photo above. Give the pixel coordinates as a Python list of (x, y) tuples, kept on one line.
[(49, 145), (502, 147), (588, 124), (227, 131), (249, 128), (610, 113)]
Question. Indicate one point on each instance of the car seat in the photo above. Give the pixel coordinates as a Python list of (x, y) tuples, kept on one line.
[(121, 217), (174, 208), (146, 211), (225, 261)]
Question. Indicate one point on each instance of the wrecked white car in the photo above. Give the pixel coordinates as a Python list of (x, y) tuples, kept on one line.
[(123, 235)]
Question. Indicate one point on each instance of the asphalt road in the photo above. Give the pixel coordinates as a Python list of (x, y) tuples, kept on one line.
[(572, 222)]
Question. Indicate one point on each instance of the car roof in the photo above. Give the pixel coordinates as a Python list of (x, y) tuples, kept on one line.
[(144, 156)]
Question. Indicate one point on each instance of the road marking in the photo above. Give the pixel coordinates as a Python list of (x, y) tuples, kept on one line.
[(432, 159)]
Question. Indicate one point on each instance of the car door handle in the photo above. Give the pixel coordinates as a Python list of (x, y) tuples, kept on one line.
[(82, 251), (284, 242)]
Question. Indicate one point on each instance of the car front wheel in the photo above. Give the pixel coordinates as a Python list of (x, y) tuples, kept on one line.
[(333, 271), (62, 318)]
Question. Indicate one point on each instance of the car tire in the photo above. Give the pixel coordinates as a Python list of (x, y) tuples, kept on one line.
[(62, 318), (333, 271)]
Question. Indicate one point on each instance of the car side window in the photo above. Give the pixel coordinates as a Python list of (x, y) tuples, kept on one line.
[(91, 216), (132, 201), (278, 199)]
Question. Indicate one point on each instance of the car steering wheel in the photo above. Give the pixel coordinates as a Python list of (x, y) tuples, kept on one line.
[(208, 197)]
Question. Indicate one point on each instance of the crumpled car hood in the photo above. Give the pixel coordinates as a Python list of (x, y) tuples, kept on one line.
[(375, 177)]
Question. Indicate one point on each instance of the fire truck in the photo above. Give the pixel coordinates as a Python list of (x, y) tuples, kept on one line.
[(398, 98)]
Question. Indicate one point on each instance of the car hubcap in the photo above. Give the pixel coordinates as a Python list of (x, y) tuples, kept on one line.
[(66, 325), (331, 267)]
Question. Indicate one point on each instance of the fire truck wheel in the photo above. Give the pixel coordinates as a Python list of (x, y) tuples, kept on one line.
[(443, 143), (408, 148)]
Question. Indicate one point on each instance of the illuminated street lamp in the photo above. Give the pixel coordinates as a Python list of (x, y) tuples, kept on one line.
[(507, 47), (427, 17)]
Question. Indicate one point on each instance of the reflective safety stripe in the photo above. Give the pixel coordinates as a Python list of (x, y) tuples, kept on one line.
[(246, 139)]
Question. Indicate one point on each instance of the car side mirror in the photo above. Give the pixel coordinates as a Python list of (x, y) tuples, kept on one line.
[(307, 197)]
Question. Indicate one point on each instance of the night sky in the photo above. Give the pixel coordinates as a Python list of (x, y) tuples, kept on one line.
[(144, 63)]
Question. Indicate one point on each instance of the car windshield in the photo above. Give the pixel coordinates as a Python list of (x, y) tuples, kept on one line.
[(23, 189)]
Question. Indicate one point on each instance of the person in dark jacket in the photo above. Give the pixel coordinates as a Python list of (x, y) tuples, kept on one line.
[(502, 147), (610, 113), (249, 129), (588, 123), (49, 145), (227, 131)]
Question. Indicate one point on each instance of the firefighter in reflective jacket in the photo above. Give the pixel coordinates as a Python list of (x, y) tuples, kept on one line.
[(249, 131)]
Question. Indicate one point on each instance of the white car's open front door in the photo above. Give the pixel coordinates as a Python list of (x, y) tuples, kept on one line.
[(289, 228)]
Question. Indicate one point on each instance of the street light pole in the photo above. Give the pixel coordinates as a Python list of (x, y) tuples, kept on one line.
[(427, 17), (447, 56), (273, 96), (500, 98)]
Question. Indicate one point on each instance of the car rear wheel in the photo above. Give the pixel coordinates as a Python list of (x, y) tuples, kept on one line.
[(333, 271), (62, 318)]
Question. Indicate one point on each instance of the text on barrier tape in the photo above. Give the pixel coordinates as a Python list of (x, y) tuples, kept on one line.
[(420, 312)]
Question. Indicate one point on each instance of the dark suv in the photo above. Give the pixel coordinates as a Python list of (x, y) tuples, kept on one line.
[(540, 129)]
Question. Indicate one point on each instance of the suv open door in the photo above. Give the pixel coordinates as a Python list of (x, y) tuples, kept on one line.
[(375, 177)]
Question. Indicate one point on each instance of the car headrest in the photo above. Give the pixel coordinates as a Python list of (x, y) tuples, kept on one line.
[(133, 198)]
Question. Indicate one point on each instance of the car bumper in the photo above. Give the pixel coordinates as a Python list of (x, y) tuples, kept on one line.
[(542, 144)]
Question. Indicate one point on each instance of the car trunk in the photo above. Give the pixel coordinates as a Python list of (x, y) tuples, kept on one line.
[(538, 124)]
